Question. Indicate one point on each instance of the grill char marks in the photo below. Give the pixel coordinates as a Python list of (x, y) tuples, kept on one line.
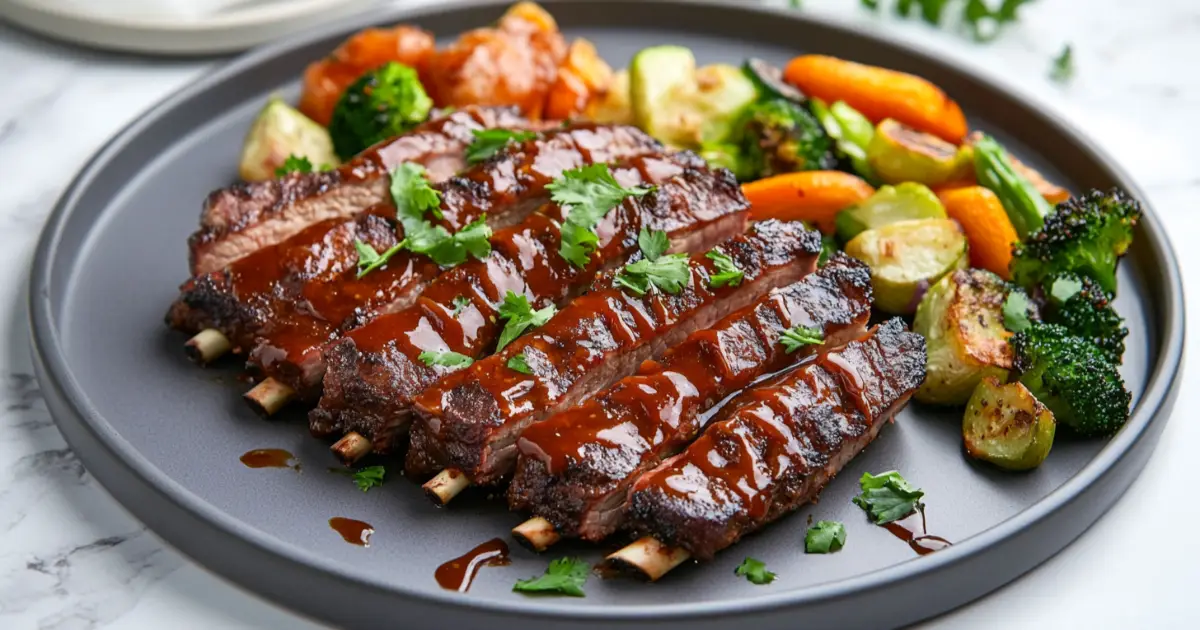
[(470, 420), (779, 445), (247, 216), (285, 301), (373, 372), (575, 469)]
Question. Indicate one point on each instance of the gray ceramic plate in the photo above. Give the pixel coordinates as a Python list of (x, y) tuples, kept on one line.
[(164, 436)]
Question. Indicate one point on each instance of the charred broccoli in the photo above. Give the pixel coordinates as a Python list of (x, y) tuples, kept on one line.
[(779, 136), (382, 103), (1084, 309), (1075, 379), (1085, 235)]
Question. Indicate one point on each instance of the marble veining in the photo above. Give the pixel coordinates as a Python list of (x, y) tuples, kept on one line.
[(72, 558)]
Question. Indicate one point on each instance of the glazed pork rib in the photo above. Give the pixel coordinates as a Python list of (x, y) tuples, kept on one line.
[(774, 451), (285, 300), (247, 216), (373, 372), (469, 422), (575, 468)]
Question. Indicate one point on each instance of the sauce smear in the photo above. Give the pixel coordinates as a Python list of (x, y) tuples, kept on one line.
[(352, 531), (920, 541), (269, 458), (457, 574)]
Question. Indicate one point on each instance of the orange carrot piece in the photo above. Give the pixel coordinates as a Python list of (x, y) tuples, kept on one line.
[(813, 196), (990, 234), (879, 93)]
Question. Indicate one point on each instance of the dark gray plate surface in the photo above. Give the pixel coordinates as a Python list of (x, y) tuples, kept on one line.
[(165, 436)]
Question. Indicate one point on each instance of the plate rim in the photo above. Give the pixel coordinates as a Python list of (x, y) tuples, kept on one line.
[(1145, 424)]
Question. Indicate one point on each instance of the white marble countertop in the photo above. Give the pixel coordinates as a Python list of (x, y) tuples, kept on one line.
[(72, 558)]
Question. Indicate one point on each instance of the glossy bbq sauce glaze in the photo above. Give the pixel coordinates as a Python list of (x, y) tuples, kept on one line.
[(457, 574), (270, 458), (919, 540), (352, 531)]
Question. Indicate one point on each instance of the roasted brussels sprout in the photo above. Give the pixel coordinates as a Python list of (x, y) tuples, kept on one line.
[(962, 321), (889, 204), (907, 257), (1005, 425), (277, 133), (902, 154), (682, 105)]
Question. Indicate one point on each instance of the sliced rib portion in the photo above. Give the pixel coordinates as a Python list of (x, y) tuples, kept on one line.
[(470, 420), (373, 372), (780, 444), (287, 300), (244, 217), (575, 469)]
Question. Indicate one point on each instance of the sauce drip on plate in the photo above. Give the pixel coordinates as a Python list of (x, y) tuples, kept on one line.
[(919, 540), (269, 458), (352, 531), (457, 574)]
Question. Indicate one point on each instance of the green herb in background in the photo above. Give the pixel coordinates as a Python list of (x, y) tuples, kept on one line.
[(979, 17), (825, 537), (565, 576), (1064, 66), (755, 571), (294, 164)]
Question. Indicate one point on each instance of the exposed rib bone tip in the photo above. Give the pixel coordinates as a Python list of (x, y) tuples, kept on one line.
[(269, 396), (536, 533), (207, 346), (446, 485), (646, 557), (351, 448)]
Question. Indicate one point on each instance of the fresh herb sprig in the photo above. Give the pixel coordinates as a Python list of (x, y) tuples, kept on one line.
[(489, 142), (981, 20), (825, 537), (519, 316), (587, 193), (799, 336), (1063, 67), (728, 273), (453, 360), (294, 164), (565, 576), (365, 478), (666, 272), (755, 571), (518, 364), (887, 497)]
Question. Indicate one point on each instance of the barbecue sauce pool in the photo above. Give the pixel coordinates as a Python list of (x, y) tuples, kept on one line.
[(459, 573), (269, 458), (352, 531), (919, 541)]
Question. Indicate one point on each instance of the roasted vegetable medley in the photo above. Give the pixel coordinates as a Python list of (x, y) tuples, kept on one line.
[(1009, 277)]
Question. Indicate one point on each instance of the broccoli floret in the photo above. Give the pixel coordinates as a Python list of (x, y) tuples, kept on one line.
[(382, 103), (779, 136), (1074, 378), (1085, 235), (1083, 308)]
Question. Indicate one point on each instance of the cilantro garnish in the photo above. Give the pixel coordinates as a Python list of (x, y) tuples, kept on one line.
[(520, 316), (1063, 289), (369, 260), (755, 571), (982, 21), (460, 302), (887, 497), (369, 477), (489, 142), (653, 243), (587, 194), (565, 576), (727, 272), (1064, 66), (518, 364), (795, 338), (668, 274), (445, 359), (1016, 311), (294, 164), (825, 537), (414, 196)]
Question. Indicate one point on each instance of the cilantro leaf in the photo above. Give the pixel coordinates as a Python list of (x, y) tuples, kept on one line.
[(653, 244), (517, 364), (445, 359), (294, 164), (414, 197), (587, 194), (795, 338), (755, 571), (521, 316), (668, 273), (1064, 289), (369, 260), (825, 537), (887, 497), (728, 272), (1064, 66), (1016, 311), (369, 477), (413, 194), (489, 142), (460, 302), (565, 576)]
